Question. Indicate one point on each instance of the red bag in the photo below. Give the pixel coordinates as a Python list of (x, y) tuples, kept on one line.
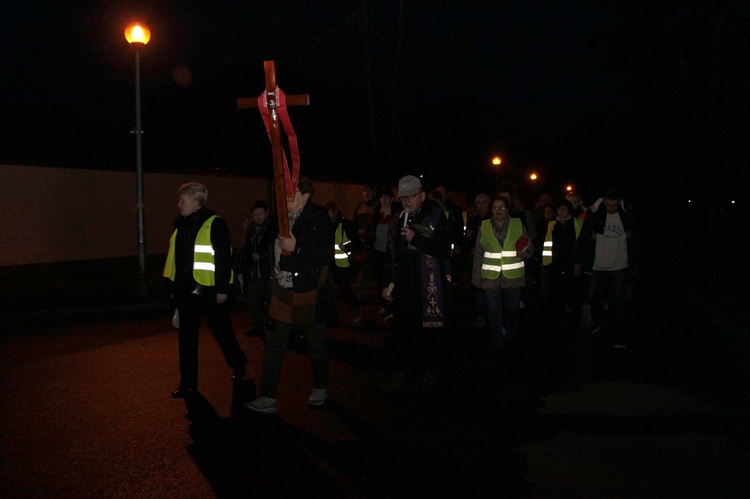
[(522, 244)]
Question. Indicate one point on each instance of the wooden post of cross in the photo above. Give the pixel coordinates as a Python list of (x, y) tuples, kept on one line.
[(275, 134)]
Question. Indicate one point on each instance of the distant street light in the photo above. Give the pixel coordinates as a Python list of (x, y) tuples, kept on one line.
[(138, 35), (569, 188), (533, 178)]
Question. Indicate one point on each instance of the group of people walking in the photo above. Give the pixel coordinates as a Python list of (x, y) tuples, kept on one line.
[(415, 245)]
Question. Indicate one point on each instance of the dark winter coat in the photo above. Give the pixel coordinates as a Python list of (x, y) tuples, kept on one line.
[(258, 239), (313, 251)]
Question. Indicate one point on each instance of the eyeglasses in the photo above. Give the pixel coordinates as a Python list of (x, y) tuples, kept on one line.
[(499, 208), (405, 198)]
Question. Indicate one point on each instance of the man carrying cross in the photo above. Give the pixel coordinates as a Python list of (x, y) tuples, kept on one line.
[(302, 288), (303, 271)]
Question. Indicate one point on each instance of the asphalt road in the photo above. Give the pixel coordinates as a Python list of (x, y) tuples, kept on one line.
[(85, 412)]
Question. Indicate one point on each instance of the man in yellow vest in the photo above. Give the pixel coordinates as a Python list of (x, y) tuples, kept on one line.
[(346, 241), (199, 269)]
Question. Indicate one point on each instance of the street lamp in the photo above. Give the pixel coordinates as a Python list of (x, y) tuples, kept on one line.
[(496, 163), (533, 178), (138, 35)]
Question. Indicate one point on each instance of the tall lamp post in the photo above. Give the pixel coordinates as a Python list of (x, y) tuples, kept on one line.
[(138, 35), (533, 178), (496, 163)]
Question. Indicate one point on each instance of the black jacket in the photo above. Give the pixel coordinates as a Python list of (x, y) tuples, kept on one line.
[(258, 239), (404, 267), (313, 251), (563, 244)]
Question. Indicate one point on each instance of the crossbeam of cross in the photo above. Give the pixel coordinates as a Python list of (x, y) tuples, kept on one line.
[(272, 104)]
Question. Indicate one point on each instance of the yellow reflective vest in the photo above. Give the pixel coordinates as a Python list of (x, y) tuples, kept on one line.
[(547, 250), (340, 239), (501, 259), (204, 265)]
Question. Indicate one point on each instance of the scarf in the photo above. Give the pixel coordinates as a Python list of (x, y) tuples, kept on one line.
[(284, 276)]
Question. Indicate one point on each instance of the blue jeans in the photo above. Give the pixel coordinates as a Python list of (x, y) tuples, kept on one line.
[(612, 287), (503, 310)]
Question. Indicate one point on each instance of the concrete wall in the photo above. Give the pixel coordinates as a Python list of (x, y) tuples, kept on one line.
[(60, 214)]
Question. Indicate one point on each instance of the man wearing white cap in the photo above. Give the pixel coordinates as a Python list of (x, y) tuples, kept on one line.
[(417, 244)]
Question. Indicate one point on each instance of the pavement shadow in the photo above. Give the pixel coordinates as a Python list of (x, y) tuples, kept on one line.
[(250, 455), (261, 455)]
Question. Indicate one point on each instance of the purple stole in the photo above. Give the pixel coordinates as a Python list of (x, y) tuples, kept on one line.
[(432, 292), (432, 281)]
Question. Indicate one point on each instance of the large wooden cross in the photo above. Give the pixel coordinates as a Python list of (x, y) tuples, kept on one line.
[(279, 177)]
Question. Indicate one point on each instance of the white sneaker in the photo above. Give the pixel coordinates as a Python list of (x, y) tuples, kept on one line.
[(318, 397), (265, 405)]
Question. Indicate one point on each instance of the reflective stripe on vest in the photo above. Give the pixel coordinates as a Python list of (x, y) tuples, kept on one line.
[(498, 259), (547, 250), (340, 239), (204, 265)]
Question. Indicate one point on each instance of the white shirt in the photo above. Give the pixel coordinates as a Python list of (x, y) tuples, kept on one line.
[(611, 245)]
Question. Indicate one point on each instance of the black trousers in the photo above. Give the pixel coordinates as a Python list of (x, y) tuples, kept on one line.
[(191, 309), (344, 278), (258, 292), (410, 346)]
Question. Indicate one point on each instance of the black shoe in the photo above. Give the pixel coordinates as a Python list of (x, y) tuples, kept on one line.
[(184, 392)]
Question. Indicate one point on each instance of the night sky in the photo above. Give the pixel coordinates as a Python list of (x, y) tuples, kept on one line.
[(592, 93)]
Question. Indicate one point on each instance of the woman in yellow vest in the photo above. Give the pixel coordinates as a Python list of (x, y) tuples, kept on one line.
[(199, 269), (558, 261), (499, 253)]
